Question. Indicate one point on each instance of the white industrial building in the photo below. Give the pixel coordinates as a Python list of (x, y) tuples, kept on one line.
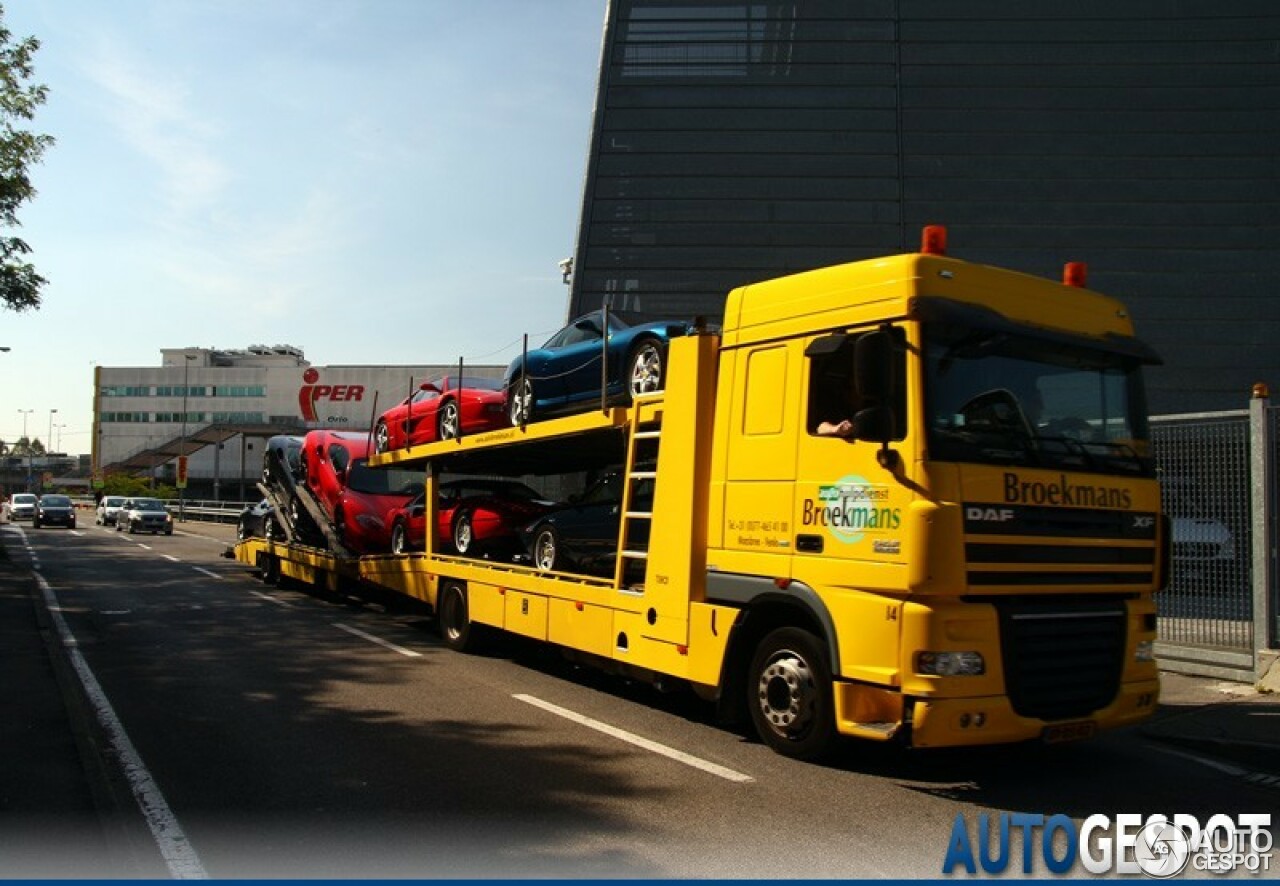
[(220, 406)]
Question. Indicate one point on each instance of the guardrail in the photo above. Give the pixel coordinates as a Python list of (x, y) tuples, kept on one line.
[(193, 510)]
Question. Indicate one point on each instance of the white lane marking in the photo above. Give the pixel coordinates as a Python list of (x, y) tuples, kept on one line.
[(178, 853), (144, 547), (381, 642), (632, 738), (75, 532), (271, 599), (171, 558), (206, 572)]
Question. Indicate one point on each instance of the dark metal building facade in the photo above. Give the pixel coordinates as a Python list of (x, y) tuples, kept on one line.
[(738, 141)]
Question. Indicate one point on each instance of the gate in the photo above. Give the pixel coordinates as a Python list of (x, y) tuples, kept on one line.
[(1217, 489)]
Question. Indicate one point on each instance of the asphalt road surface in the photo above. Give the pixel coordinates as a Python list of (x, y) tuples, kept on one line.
[(278, 733)]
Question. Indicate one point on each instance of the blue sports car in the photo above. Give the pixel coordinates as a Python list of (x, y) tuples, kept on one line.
[(564, 374)]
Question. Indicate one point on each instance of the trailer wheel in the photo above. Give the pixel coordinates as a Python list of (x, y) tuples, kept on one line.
[(449, 421), (455, 621), (789, 693)]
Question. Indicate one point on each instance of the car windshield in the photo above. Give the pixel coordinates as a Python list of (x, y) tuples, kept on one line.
[(113, 501), (508, 489), (449, 382), (148, 504), (995, 397), (56, 501), (24, 499), (386, 481)]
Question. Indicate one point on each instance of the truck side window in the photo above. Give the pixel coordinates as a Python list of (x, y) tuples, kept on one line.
[(834, 402)]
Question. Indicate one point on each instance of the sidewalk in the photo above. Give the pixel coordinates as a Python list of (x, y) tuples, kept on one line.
[(56, 808)]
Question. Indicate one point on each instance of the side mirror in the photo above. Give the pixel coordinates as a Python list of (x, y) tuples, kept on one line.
[(873, 366)]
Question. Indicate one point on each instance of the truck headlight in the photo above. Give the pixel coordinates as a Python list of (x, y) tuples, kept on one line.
[(950, 664), (1145, 651)]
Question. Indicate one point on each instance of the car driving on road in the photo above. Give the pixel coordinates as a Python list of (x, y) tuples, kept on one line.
[(144, 515), (22, 506), (54, 510), (108, 510)]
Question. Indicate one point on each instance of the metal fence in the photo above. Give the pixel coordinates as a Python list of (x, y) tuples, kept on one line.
[(1216, 471)]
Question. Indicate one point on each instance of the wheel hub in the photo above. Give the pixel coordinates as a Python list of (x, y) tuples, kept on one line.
[(787, 693)]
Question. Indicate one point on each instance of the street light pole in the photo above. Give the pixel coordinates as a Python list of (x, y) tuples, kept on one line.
[(182, 447), (48, 445), (25, 413)]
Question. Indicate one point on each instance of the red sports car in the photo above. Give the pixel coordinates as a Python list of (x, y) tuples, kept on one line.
[(441, 409), (356, 498), (474, 517)]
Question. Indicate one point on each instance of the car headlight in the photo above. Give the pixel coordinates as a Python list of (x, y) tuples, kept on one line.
[(950, 664)]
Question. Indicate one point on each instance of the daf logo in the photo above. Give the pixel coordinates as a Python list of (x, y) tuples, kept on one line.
[(989, 515), (1143, 522)]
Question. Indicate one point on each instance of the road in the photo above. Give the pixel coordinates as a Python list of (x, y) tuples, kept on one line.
[(286, 734)]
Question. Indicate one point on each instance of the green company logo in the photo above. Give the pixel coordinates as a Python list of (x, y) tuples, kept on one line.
[(849, 507)]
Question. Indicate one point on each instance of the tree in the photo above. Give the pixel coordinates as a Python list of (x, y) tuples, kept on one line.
[(20, 148)]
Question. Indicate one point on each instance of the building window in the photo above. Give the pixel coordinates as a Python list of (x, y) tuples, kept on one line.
[(125, 417), (240, 391), (706, 41), (126, 390), (237, 418)]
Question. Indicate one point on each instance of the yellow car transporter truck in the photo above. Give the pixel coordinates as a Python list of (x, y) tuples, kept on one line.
[(909, 498)]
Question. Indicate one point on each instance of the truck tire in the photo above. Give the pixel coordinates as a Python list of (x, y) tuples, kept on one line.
[(789, 694), (456, 629)]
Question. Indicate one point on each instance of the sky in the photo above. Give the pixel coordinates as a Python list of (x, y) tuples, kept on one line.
[(379, 182)]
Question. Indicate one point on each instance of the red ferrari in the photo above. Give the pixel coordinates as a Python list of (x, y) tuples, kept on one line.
[(441, 409), (474, 517)]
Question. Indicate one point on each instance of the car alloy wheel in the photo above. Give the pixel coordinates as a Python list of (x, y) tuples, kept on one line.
[(464, 538), (381, 437), (645, 369), (449, 420), (520, 401), (546, 549), (399, 539)]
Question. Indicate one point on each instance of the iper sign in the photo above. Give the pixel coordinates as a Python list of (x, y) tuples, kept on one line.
[(1157, 845)]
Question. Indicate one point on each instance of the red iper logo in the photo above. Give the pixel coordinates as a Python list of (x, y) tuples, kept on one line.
[(310, 392)]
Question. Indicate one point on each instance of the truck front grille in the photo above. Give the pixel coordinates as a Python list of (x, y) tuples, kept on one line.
[(1061, 661)]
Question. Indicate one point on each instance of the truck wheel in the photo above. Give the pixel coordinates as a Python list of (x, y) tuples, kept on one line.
[(789, 694), (455, 622), (449, 421), (644, 369), (520, 401)]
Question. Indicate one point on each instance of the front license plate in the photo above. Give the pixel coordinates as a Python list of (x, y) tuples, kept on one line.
[(1060, 732)]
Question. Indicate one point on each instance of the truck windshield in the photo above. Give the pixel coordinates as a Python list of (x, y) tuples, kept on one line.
[(996, 397)]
